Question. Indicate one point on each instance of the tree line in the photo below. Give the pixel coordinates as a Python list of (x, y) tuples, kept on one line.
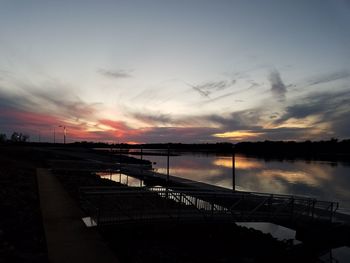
[(15, 137)]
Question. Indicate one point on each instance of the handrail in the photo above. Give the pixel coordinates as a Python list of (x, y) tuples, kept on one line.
[(212, 204)]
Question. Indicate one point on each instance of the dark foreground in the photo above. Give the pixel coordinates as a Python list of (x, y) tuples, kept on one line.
[(22, 237)]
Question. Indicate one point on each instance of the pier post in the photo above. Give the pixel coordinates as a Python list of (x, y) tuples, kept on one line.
[(141, 177), (167, 165), (233, 169)]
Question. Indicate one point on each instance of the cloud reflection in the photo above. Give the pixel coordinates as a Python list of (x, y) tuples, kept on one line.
[(241, 163)]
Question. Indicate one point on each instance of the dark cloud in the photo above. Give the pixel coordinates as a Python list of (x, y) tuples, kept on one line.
[(241, 120), (326, 104), (330, 107), (153, 119), (57, 100), (176, 135), (330, 77), (116, 74), (341, 126), (278, 88)]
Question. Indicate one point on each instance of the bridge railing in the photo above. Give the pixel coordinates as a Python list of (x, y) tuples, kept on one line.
[(128, 204)]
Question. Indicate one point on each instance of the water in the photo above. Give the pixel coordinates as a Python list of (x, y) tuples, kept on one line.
[(319, 179), (328, 181)]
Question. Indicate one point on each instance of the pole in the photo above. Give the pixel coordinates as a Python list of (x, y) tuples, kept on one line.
[(167, 165), (64, 134), (141, 177), (120, 159), (233, 169)]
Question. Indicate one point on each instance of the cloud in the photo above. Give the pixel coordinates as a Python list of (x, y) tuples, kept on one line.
[(278, 88), (116, 74), (14, 119), (326, 104), (325, 78), (327, 108), (119, 129), (175, 134), (208, 88), (48, 97), (37, 109), (153, 118), (341, 126)]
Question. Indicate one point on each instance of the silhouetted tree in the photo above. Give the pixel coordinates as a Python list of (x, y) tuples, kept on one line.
[(3, 137), (19, 137)]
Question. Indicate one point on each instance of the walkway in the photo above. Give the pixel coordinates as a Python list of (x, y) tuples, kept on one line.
[(115, 205), (68, 239)]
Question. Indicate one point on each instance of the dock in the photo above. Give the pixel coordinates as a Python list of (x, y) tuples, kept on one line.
[(182, 200)]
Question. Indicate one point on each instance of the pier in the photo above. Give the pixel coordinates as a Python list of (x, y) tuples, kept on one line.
[(171, 199)]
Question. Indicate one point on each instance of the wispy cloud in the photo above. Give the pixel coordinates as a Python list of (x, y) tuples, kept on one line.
[(206, 89), (325, 78), (153, 118), (278, 88), (116, 74)]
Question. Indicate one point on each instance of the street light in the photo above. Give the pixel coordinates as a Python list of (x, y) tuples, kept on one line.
[(64, 133)]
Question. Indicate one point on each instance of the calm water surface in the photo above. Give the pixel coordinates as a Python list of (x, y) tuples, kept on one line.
[(319, 179)]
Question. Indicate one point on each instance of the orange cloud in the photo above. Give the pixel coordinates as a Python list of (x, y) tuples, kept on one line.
[(238, 135)]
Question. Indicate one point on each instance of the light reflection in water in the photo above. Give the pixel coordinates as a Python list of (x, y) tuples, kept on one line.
[(322, 180), (240, 163), (123, 179)]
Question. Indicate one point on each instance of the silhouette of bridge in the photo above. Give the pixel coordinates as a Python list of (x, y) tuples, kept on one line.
[(130, 205)]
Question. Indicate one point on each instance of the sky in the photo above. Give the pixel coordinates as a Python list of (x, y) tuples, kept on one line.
[(175, 71)]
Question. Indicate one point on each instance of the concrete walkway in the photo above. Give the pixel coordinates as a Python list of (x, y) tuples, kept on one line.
[(68, 239)]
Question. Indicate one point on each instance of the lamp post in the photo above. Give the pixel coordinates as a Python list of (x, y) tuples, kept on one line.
[(64, 133)]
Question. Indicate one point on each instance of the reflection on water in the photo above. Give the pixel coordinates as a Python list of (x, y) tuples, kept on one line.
[(279, 232), (123, 179), (240, 163), (322, 180)]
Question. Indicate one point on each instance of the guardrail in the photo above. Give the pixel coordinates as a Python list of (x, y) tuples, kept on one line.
[(116, 205)]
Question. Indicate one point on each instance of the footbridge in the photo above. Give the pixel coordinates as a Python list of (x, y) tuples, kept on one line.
[(130, 205)]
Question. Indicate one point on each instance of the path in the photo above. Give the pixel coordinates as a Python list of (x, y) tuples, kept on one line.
[(68, 239)]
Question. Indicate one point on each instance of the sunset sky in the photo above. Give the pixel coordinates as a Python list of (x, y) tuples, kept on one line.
[(175, 71)]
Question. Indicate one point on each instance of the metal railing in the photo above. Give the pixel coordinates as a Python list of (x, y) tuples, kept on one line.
[(116, 205)]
